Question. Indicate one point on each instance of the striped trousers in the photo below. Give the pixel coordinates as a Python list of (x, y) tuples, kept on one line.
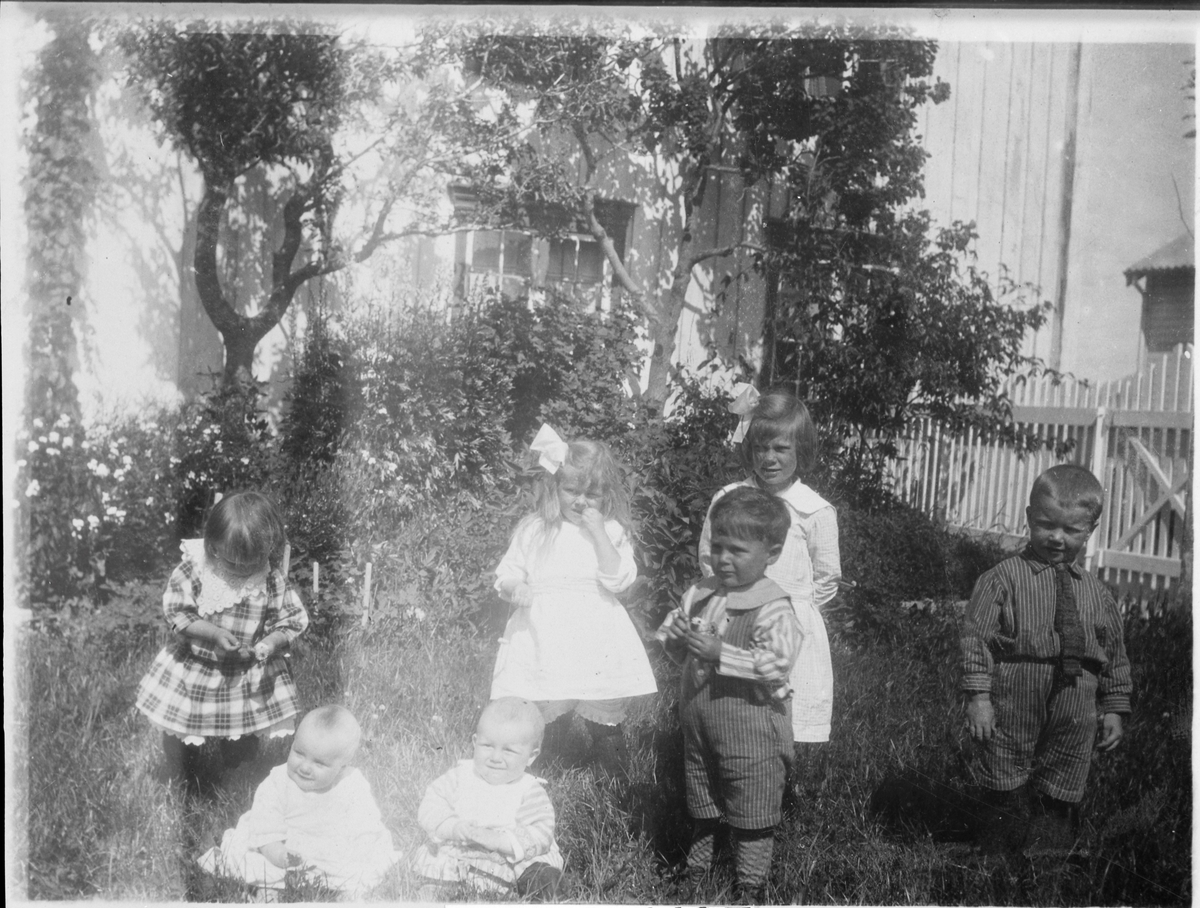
[(1045, 729)]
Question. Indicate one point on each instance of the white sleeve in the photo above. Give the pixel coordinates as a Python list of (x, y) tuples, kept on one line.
[(627, 571), (514, 566)]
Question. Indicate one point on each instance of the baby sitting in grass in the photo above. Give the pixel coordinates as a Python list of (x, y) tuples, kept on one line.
[(490, 823), (313, 816)]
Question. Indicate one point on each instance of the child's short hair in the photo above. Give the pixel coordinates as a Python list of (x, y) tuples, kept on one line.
[(1070, 485), (515, 709), (780, 412), (749, 513), (337, 721), (245, 528)]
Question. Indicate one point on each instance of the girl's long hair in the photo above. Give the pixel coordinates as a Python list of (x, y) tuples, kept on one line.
[(245, 528), (593, 464)]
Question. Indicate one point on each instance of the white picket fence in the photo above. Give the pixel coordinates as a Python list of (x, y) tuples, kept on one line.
[(1144, 425)]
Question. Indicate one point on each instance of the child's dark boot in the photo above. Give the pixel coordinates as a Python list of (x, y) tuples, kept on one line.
[(539, 882), (1004, 821)]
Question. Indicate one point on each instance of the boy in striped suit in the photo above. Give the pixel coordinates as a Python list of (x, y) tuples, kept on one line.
[(1044, 670), (737, 637)]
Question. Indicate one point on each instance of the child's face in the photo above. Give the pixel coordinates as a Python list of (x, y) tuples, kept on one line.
[(1058, 532), (317, 761), (503, 749), (774, 461), (738, 563), (237, 568), (575, 495)]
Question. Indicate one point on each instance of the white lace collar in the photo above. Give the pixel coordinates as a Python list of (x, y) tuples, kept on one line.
[(218, 589)]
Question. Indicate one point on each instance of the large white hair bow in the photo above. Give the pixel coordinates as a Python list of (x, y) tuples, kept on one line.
[(745, 396), (551, 450)]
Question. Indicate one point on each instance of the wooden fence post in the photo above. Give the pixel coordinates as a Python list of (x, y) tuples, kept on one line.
[(366, 600), (1099, 462)]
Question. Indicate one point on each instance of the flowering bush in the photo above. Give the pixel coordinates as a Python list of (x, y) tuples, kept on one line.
[(222, 442), (101, 504)]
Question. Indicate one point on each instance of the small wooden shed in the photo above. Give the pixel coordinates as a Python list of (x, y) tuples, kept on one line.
[(1167, 281)]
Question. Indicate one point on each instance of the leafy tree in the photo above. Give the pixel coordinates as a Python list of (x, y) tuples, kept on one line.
[(872, 314), (269, 109), (59, 192), (60, 189)]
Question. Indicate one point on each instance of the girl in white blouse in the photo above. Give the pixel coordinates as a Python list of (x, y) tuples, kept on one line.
[(570, 646), (780, 446)]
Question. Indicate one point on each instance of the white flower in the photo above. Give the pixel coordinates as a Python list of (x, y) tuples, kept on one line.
[(127, 460), (55, 438), (93, 521), (32, 446), (100, 469), (77, 523), (37, 423), (32, 489), (69, 442), (246, 460)]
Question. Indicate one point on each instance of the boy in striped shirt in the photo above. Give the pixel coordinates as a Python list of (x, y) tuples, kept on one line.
[(1044, 670), (737, 637)]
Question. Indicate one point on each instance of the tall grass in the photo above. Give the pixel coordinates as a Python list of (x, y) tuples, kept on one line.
[(102, 824)]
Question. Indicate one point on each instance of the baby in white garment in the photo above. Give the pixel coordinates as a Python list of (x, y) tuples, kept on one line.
[(313, 815)]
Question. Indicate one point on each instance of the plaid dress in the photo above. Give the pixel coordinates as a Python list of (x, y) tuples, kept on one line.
[(190, 691)]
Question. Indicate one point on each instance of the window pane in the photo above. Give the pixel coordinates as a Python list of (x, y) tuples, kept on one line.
[(518, 251), (485, 254), (591, 262), (562, 260)]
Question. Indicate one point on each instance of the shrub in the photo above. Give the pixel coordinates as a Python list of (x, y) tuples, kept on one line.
[(222, 443), (678, 464), (101, 505)]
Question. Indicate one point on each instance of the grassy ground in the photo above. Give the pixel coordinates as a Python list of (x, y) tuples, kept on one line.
[(882, 823)]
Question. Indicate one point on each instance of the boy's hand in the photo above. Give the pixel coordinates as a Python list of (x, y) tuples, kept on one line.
[(1111, 732), (705, 647), (675, 629), (981, 717)]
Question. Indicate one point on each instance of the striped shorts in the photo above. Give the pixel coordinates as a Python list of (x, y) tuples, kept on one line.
[(1045, 733)]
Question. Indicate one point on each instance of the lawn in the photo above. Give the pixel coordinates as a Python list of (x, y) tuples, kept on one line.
[(884, 823)]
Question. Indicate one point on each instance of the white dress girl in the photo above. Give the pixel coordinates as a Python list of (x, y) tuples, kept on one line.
[(575, 641)]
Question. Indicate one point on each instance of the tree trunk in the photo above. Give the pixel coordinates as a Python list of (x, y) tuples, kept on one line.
[(240, 345)]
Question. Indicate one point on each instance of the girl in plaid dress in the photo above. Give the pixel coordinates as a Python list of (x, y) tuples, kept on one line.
[(224, 676)]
